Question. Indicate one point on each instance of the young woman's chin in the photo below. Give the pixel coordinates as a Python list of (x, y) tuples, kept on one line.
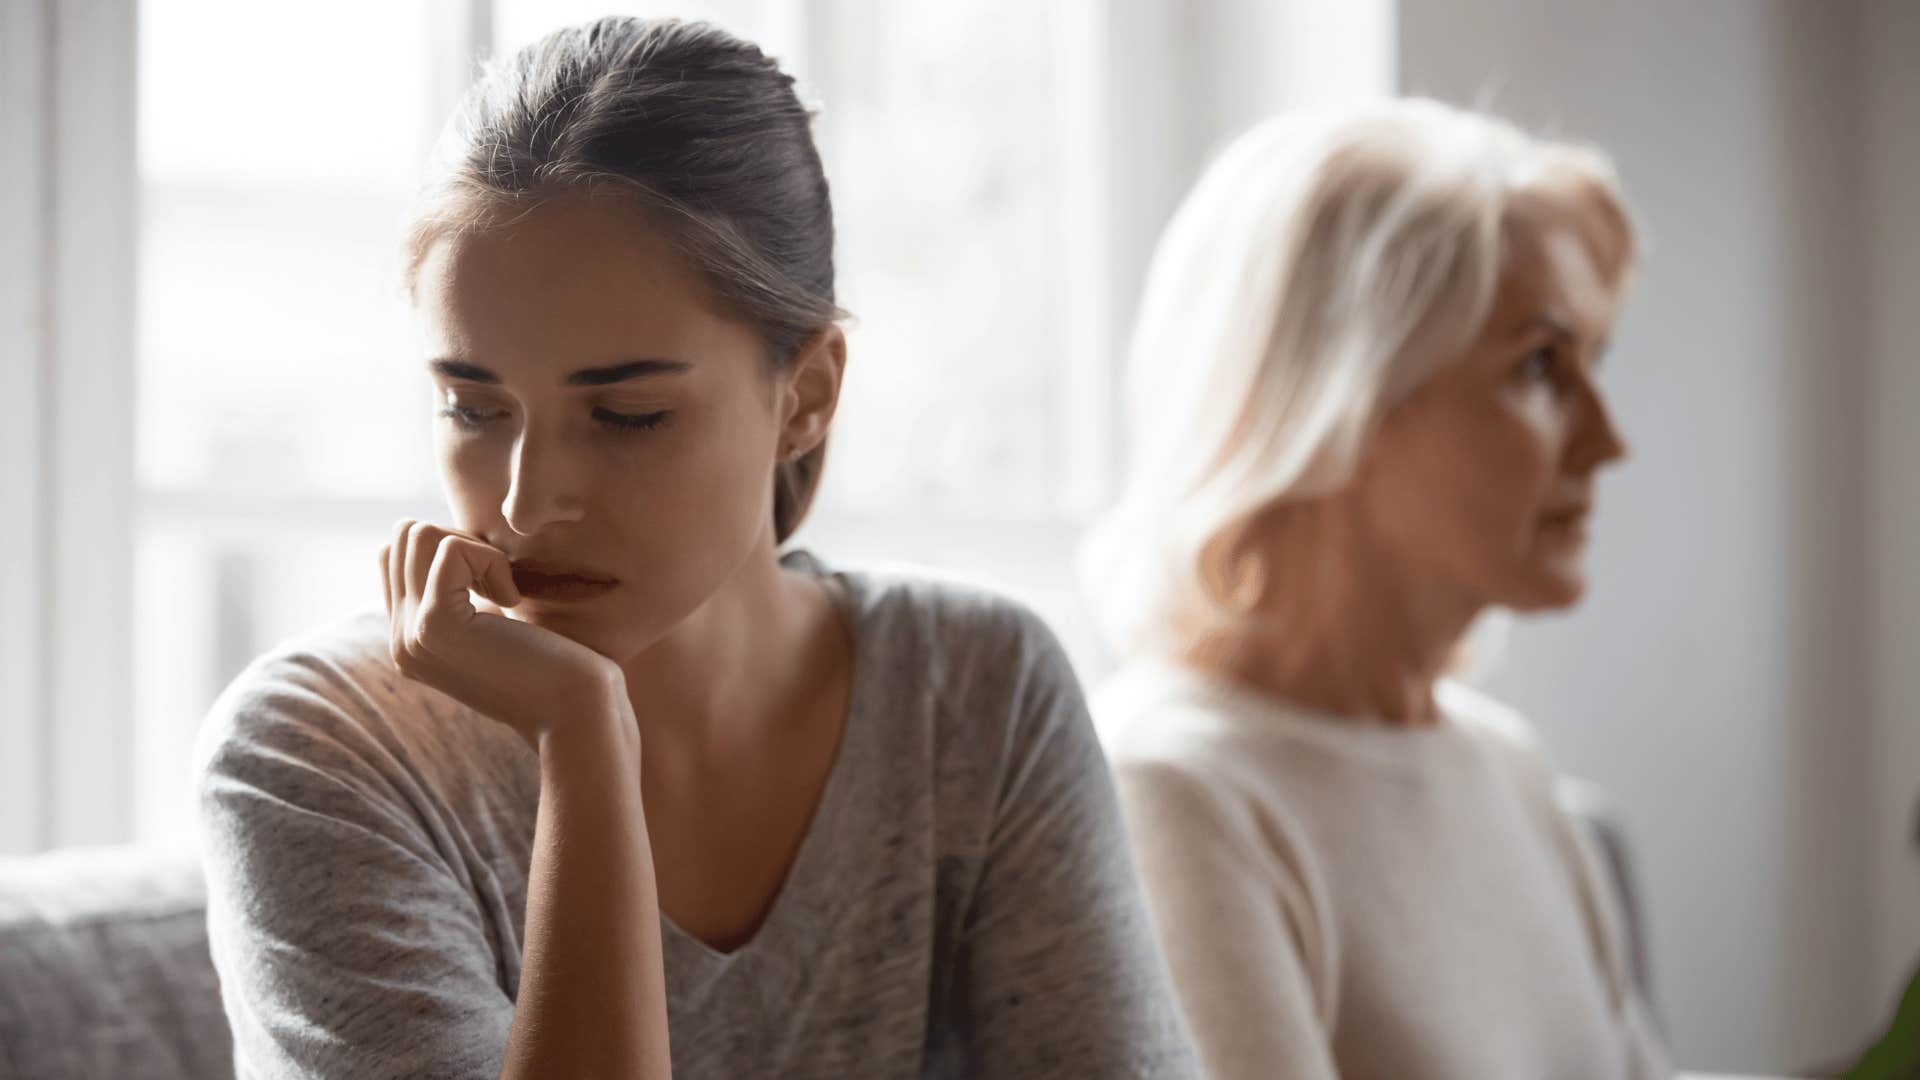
[(611, 633)]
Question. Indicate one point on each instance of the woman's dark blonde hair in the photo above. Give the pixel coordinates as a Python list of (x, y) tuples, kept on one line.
[(697, 131)]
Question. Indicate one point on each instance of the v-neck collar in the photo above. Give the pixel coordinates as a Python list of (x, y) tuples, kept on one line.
[(811, 858)]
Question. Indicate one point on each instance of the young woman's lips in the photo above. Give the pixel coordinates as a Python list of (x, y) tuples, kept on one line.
[(538, 581)]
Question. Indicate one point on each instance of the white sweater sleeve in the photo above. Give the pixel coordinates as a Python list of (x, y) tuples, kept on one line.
[(1249, 964), (1645, 1047)]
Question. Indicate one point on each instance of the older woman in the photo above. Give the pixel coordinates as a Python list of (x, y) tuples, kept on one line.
[(1366, 411)]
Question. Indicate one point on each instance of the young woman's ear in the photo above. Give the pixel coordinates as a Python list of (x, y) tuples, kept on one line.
[(812, 391)]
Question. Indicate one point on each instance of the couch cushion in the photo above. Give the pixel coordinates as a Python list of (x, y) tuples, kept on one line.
[(104, 969)]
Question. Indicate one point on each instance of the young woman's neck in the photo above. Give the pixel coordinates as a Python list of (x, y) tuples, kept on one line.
[(1343, 631), (736, 662)]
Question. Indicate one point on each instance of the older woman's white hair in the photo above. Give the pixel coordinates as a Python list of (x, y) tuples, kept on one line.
[(1322, 267)]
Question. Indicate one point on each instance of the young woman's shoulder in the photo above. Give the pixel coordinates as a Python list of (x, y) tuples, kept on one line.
[(977, 681), (327, 711), (955, 636), (326, 683)]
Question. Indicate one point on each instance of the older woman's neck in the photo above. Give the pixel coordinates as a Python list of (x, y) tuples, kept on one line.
[(1354, 638)]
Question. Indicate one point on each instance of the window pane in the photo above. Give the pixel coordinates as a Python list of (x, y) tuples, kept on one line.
[(279, 400), (292, 95), (274, 350), (209, 600), (940, 130)]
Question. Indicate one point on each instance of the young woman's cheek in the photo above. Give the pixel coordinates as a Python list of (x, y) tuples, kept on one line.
[(473, 476)]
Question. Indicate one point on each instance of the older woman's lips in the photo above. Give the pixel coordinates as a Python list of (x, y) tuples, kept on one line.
[(541, 582), (1569, 523)]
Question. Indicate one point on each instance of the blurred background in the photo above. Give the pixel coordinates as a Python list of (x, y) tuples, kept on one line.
[(211, 410)]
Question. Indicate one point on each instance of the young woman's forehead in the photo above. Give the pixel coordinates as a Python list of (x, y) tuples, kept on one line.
[(569, 251), (568, 287)]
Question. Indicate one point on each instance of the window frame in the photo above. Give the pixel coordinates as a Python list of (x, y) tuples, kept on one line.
[(70, 230)]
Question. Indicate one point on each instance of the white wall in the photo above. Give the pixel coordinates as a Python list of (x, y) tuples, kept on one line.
[(1893, 172), (1720, 678)]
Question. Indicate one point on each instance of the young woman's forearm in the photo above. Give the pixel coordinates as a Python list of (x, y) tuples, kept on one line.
[(592, 983)]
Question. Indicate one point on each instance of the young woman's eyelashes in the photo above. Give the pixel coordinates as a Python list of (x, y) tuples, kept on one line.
[(632, 421), (477, 417), (469, 417)]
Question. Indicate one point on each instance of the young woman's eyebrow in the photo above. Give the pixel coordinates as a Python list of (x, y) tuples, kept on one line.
[(632, 369), (460, 369), (595, 376)]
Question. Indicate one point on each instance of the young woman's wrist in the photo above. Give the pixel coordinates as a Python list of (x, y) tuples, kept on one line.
[(600, 726)]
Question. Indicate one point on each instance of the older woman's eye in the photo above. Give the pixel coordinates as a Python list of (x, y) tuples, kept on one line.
[(1541, 363)]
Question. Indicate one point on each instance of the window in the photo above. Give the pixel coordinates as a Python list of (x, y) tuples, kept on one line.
[(282, 416)]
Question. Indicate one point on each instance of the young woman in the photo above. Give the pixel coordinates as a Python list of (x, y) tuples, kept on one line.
[(1365, 375), (613, 788)]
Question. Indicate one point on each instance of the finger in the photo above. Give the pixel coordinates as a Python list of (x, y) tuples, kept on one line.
[(386, 580), (493, 574), (423, 540), (445, 598), (397, 561), (487, 571), (396, 577)]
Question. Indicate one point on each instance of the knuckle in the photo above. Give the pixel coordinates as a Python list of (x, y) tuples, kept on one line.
[(430, 625)]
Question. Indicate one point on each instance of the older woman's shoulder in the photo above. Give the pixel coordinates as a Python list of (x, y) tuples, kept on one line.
[(1154, 714), (1485, 716), (1506, 734)]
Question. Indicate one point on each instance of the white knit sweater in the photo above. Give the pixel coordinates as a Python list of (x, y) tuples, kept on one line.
[(1341, 898)]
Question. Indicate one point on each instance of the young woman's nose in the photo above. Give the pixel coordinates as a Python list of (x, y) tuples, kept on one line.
[(543, 489)]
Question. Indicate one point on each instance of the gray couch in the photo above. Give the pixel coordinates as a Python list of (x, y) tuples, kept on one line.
[(105, 974), (104, 970)]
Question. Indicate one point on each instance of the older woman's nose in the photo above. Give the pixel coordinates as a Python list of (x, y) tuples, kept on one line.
[(1596, 438)]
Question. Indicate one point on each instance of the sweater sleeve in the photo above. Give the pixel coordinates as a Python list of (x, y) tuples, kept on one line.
[(1060, 967), (347, 946), (1646, 1051), (1249, 965)]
